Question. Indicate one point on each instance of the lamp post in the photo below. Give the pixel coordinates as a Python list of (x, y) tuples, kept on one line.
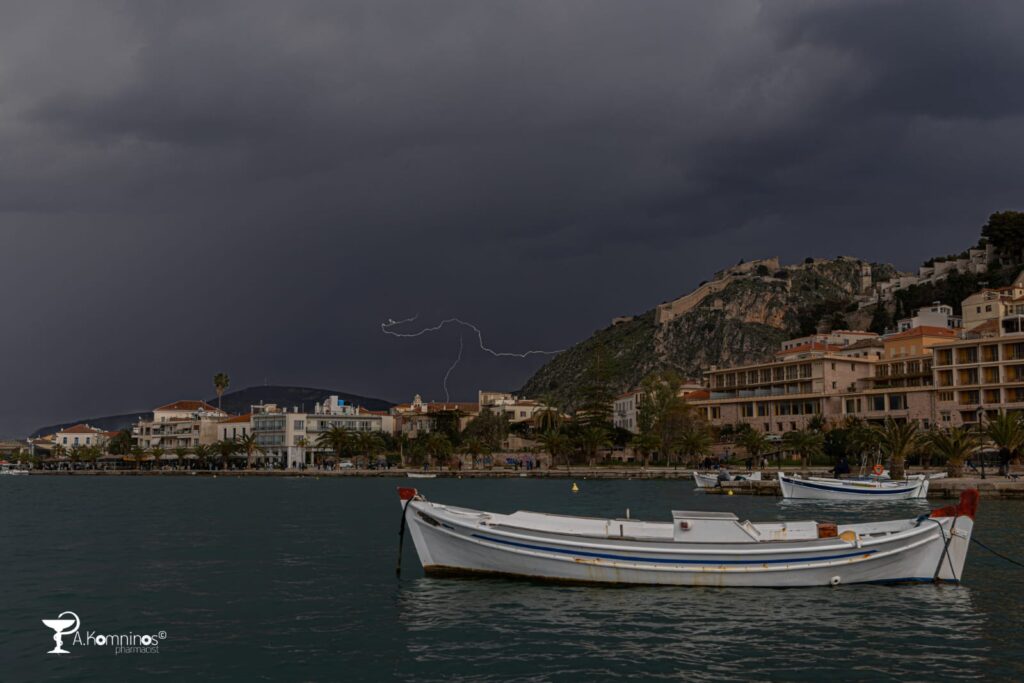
[(981, 436)]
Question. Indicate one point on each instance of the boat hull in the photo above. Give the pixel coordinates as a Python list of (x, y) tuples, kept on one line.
[(822, 489), (448, 543)]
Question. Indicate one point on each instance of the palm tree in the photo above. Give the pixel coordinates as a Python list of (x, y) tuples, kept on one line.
[(1006, 431), (221, 382), (137, 453), (646, 442), (754, 443), (591, 439), (369, 444), (897, 440), (805, 443), (202, 453), (696, 441), (157, 453), (181, 452), (473, 446), (556, 443), (438, 445), (249, 446), (336, 439), (549, 417), (955, 445), (225, 449)]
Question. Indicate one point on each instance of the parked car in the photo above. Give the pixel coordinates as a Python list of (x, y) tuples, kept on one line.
[(346, 464)]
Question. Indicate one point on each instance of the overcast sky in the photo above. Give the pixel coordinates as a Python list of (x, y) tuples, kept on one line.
[(254, 187)]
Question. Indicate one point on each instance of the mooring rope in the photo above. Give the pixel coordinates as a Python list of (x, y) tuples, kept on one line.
[(997, 553), (401, 539)]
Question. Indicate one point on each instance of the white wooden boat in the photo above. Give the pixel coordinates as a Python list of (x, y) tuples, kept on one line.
[(709, 480), (694, 549), (822, 488), (420, 475)]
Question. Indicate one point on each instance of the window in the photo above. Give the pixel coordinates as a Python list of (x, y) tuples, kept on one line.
[(877, 403), (833, 385), (299, 424), (897, 402), (945, 395)]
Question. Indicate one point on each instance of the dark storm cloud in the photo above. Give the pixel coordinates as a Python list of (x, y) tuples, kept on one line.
[(253, 187)]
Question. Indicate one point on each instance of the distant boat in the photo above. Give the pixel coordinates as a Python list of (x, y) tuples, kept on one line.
[(709, 480), (821, 488), (11, 470), (696, 548), (420, 475)]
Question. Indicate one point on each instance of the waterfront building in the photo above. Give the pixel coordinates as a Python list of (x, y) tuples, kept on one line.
[(514, 408), (982, 376), (421, 417), (291, 436), (235, 427), (182, 424), (80, 435), (785, 394), (901, 385)]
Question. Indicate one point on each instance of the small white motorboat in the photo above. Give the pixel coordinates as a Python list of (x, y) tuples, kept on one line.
[(710, 480), (421, 475), (874, 488), (11, 470), (694, 549)]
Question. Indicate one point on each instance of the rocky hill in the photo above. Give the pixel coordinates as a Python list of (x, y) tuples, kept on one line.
[(739, 317), (743, 313)]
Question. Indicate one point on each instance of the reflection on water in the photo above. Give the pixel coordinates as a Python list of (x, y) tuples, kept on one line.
[(543, 632)]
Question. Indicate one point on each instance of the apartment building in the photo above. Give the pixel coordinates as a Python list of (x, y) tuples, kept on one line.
[(901, 385), (235, 428), (420, 417), (992, 305), (81, 435), (514, 408), (784, 395), (291, 436), (981, 377), (936, 315), (182, 424)]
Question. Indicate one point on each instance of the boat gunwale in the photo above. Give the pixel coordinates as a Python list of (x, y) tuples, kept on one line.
[(757, 547)]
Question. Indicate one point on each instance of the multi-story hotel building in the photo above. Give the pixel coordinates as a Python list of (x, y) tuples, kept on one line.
[(292, 436), (626, 406), (784, 395), (901, 385), (182, 424), (978, 378)]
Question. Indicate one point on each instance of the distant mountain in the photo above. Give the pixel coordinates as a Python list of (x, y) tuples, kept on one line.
[(236, 402)]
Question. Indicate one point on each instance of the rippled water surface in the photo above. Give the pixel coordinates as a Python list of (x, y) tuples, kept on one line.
[(293, 579)]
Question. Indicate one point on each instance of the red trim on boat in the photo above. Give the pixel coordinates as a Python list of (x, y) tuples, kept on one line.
[(967, 507), (406, 492)]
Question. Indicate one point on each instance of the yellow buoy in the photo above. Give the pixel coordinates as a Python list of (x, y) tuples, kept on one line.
[(729, 492), (575, 488)]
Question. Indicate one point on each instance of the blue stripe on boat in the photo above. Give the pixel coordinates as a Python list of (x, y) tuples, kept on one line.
[(843, 489), (658, 560)]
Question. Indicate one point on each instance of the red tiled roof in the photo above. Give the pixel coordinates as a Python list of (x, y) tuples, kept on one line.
[(367, 411), (110, 435), (922, 331), (628, 394), (698, 395), (188, 405), (79, 429), (239, 418)]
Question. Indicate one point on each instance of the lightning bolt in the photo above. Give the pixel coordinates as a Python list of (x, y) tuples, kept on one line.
[(386, 326), (458, 359)]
